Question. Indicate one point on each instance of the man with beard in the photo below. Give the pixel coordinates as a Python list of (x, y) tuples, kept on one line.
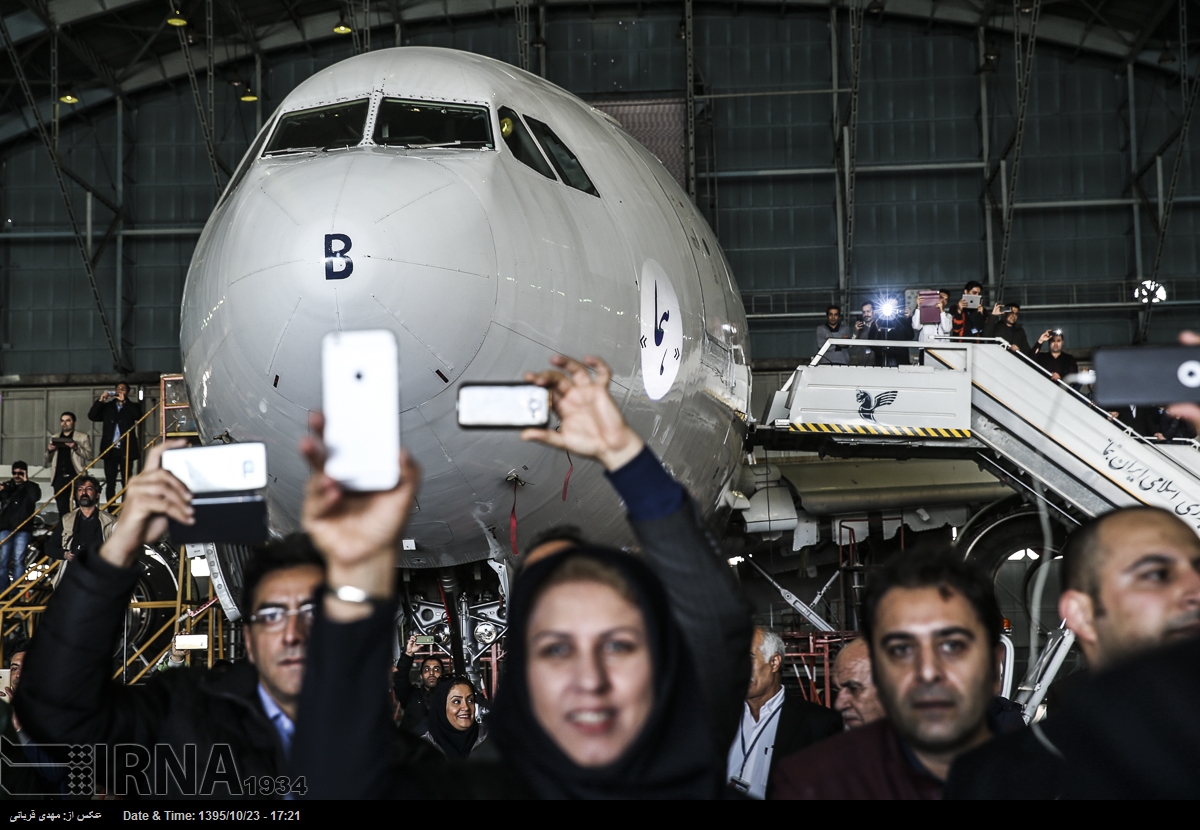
[(1132, 580), (87, 527), (933, 629), (414, 697)]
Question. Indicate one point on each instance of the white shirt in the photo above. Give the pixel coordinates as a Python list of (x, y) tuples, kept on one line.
[(750, 755)]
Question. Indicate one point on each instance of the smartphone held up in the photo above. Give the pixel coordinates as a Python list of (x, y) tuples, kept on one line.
[(360, 396), (503, 406), (228, 483), (1147, 375)]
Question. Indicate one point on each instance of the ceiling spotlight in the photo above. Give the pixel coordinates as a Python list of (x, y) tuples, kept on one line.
[(249, 95), (68, 98), (875, 7), (341, 28), (176, 19)]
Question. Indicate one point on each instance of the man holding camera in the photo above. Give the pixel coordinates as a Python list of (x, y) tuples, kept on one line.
[(119, 415), (70, 453), (1057, 362), (18, 501), (1003, 323), (968, 316), (413, 697)]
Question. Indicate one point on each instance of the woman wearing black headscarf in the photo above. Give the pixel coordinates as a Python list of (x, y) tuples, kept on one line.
[(450, 724), (598, 699)]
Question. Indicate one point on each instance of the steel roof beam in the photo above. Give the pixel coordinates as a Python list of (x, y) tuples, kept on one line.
[(1144, 35)]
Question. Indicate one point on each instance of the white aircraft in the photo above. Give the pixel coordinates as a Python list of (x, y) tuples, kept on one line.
[(490, 220)]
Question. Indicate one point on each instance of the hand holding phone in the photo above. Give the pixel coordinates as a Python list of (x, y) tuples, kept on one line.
[(590, 423), (357, 533)]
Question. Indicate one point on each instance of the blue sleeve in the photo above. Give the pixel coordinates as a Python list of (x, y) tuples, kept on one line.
[(647, 488)]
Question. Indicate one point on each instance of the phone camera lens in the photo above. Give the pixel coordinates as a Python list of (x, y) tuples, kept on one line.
[(358, 375)]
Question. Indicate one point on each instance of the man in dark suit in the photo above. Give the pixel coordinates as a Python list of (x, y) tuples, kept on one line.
[(119, 415), (774, 723)]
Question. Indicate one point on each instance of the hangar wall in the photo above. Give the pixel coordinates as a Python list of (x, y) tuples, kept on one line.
[(765, 178)]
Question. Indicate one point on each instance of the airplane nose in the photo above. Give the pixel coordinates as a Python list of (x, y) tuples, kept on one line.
[(360, 240)]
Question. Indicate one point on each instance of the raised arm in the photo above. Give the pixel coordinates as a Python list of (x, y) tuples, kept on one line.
[(344, 732), (67, 694), (704, 598)]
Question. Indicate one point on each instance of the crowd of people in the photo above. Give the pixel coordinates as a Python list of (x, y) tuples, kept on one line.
[(626, 675), (961, 319), (69, 456)]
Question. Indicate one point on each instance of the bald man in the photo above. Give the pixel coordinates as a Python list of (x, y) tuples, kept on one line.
[(857, 700), (1132, 583)]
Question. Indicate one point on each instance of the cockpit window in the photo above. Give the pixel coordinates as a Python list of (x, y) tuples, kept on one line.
[(418, 124), (564, 161), (521, 142), (320, 128)]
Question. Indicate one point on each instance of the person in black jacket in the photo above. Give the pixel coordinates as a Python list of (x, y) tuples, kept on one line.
[(415, 698), (775, 723), (119, 415), (242, 717), (18, 501), (657, 726)]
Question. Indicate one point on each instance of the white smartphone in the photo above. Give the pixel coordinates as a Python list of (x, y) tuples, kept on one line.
[(219, 468), (503, 406), (5, 679), (185, 642), (360, 395)]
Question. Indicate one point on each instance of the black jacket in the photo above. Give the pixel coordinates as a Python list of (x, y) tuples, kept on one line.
[(68, 696), (802, 723), (19, 503), (412, 696), (107, 412), (997, 327)]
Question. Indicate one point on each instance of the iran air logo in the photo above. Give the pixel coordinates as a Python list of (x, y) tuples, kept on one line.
[(867, 405)]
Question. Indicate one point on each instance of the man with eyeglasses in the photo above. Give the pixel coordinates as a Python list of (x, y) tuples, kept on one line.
[(244, 716), (412, 696)]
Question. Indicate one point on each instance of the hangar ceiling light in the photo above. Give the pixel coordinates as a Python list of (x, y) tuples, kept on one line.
[(176, 19)]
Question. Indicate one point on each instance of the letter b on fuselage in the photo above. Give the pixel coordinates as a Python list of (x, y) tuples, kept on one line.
[(338, 265)]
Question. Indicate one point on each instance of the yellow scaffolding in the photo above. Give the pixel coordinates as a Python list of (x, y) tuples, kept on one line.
[(23, 602)]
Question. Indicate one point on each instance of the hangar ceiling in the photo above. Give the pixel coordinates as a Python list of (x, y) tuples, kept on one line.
[(115, 47)]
